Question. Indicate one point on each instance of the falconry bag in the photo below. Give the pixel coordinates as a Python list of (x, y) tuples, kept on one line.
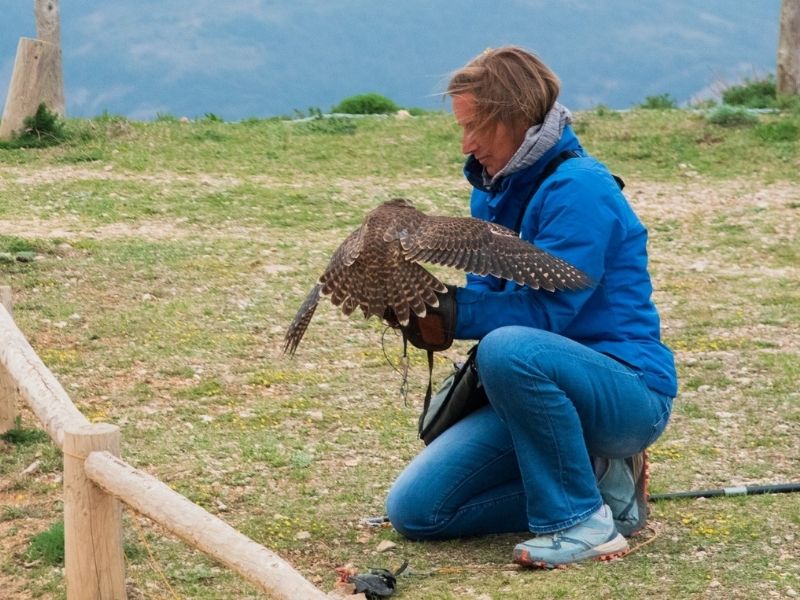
[(461, 393)]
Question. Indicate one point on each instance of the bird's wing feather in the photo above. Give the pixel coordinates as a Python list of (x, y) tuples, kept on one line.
[(481, 247), (350, 249), (376, 268), (301, 320), (346, 254)]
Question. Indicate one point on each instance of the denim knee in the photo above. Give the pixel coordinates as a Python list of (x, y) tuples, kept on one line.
[(493, 350), (497, 349), (409, 512)]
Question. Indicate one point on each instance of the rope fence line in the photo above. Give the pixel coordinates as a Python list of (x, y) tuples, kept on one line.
[(97, 481)]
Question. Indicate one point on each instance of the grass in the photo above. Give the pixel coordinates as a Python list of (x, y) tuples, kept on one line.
[(168, 259), (47, 547)]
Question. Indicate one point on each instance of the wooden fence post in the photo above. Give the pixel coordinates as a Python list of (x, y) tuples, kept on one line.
[(35, 79), (93, 555), (38, 74), (8, 389)]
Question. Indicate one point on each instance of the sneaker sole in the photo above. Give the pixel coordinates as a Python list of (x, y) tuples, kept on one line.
[(522, 556)]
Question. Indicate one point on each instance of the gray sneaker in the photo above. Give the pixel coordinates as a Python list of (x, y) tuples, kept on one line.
[(595, 538), (623, 486)]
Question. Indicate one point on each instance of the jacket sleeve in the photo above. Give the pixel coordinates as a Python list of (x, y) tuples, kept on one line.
[(572, 216), (487, 283)]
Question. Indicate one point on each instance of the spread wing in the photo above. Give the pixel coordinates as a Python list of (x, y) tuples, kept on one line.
[(376, 268), (346, 254), (298, 327), (481, 247)]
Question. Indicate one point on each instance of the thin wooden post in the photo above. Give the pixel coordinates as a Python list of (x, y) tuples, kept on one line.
[(93, 556), (8, 389), (48, 23), (788, 70)]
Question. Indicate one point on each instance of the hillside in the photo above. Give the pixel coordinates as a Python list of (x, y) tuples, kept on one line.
[(156, 266)]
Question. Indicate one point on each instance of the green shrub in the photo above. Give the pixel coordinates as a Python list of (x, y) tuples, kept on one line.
[(16, 244), (759, 93), (48, 546), (21, 436), (603, 111), (328, 125), (42, 129), (789, 102), (779, 131), (366, 104), (660, 102), (731, 116)]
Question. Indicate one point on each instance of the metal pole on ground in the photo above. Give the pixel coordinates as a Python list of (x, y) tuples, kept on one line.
[(739, 490)]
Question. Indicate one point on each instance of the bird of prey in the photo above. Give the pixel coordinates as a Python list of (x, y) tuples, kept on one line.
[(377, 266)]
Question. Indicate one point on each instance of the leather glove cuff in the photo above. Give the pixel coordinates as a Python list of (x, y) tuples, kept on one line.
[(435, 332)]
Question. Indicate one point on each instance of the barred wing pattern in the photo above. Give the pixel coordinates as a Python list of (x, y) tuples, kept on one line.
[(483, 248), (376, 267)]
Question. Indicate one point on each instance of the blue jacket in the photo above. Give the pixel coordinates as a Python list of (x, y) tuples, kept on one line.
[(580, 215)]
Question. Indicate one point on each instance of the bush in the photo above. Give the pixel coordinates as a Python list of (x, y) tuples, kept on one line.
[(779, 131), (328, 125), (48, 546), (21, 436), (789, 102), (731, 116), (42, 129), (661, 102), (366, 104), (752, 94)]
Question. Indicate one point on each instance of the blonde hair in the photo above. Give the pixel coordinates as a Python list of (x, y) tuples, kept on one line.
[(510, 86)]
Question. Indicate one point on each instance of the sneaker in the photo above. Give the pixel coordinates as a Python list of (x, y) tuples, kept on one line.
[(596, 538), (623, 486)]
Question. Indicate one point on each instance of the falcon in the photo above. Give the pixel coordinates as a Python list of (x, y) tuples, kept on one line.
[(377, 266)]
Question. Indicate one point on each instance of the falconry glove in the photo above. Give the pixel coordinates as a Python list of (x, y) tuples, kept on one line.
[(433, 332)]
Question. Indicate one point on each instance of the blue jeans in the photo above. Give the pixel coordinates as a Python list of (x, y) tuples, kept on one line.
[(524, 462)]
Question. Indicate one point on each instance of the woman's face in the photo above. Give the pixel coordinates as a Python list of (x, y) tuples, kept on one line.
[(493, 147)]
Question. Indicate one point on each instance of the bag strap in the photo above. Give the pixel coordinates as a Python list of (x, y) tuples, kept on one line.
[(549, 169), (429, 391)]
